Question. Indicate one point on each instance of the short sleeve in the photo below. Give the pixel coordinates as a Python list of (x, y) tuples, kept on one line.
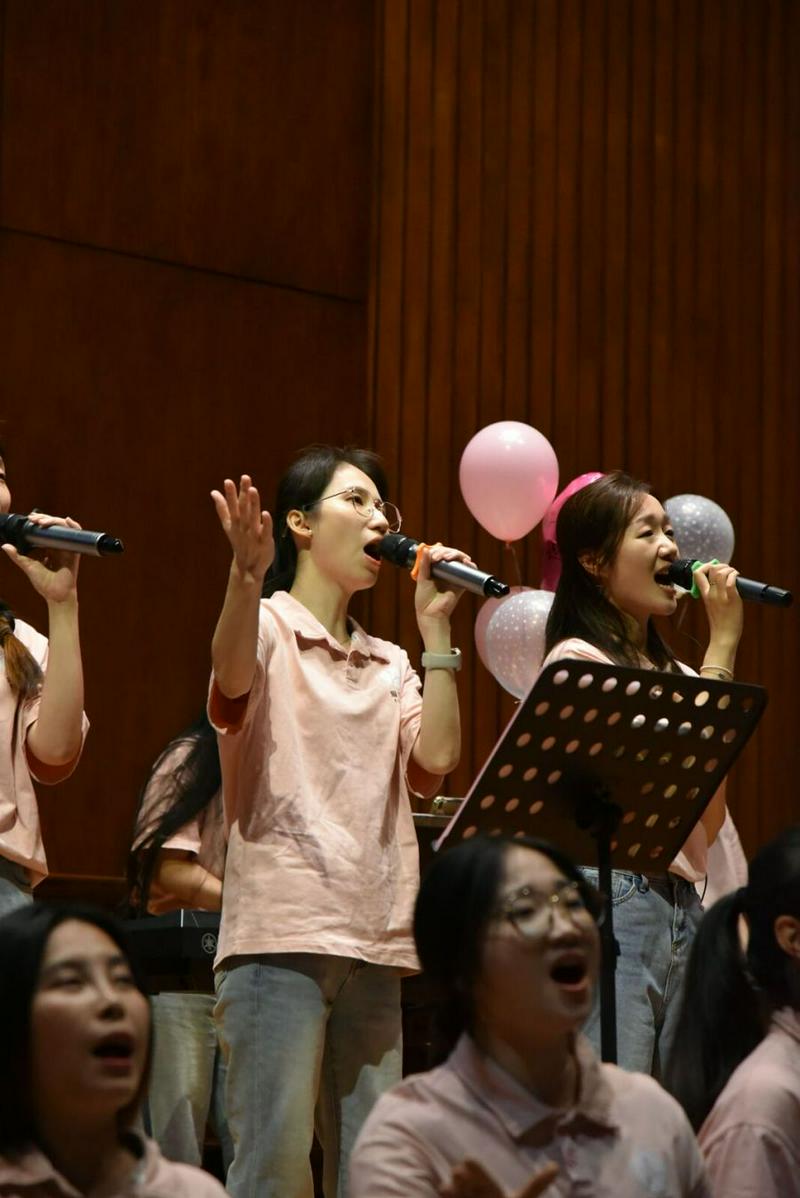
[(388, 1162), (749, 1161), (229, 716)]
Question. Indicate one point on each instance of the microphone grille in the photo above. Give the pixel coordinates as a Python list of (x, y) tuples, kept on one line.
[(681, 573), (395, 548)]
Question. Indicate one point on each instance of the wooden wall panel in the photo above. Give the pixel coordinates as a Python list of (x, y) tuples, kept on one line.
[(130, 390), (586, 217), (232, 135), (157, 163)]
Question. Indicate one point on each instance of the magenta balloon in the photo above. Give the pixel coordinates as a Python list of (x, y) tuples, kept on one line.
[(508, 476), (551, 516), (488, 608)]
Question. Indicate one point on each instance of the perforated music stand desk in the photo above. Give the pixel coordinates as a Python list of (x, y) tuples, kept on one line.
[(606, 761)]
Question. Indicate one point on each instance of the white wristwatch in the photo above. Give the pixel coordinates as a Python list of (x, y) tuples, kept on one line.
[(442, 661)]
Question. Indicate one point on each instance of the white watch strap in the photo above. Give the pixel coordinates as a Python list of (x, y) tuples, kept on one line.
[(442, 661)]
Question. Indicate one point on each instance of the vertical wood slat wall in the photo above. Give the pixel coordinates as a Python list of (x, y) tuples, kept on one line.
[(184, 233), (586, 217)]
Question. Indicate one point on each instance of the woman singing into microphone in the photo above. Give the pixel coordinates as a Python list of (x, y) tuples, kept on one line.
[(41, 708), (323, 732), (615, 542)]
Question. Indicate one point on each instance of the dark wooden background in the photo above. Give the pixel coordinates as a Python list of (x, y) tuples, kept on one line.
[(229, 228)]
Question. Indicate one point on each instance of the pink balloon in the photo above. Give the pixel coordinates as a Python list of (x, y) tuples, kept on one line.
[(488, 608), (551, 560), (508, 476)]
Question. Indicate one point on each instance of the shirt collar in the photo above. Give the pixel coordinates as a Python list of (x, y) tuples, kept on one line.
[(31, 1169), (309, 631), (521, 1112)]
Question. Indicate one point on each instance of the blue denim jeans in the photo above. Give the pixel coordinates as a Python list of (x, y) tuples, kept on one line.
[(187, 1078), (309, 1041), (15, 890), (655, 920)]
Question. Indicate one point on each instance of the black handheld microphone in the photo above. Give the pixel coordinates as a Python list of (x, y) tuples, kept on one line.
[(402, 551), (681, 573), (25, 534)]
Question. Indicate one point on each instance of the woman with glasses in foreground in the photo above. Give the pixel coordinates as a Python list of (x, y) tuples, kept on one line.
[(521, 1106), (323, 731)]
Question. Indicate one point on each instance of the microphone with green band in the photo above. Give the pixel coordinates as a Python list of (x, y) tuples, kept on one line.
[(681, 573)]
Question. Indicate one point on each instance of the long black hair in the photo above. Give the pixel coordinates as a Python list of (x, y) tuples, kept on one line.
[(303, 484), (456, 901), (23, 940), (184, 792), (591, 524), (730, 992)]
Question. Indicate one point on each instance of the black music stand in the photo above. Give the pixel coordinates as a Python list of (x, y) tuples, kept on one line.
[(606, 761)]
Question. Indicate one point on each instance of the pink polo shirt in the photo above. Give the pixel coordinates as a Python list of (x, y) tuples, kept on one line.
[(20, 831), (322, 851), (31, 1175), (625, 1138), (751, 1138), (203, 836), (691, 862)]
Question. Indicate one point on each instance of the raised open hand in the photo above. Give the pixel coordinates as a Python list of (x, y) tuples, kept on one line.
[(247, 527)]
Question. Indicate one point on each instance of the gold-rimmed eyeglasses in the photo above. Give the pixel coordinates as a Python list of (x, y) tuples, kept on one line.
[(531, 911), (365, 506)]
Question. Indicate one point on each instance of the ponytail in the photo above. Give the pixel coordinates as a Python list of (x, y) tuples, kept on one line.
[(731, 993), (722, 1017), (23, 672)]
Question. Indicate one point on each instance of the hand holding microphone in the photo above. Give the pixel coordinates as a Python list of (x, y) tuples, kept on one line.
[(402, 551), (682, 573), (63, 539), (39, 531)]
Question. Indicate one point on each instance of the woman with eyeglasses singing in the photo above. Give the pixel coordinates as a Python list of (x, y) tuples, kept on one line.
[(521, 1105), (323, 731)]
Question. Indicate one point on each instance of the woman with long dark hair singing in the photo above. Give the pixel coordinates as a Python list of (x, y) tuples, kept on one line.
[(616, 541)]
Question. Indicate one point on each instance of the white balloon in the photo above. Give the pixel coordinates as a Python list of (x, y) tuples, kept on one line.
[(487, 610), (703, 530), (515, 639)]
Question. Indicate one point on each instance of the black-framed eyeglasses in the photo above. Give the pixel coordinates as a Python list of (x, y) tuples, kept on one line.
[(531, 912), (365, 506)]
